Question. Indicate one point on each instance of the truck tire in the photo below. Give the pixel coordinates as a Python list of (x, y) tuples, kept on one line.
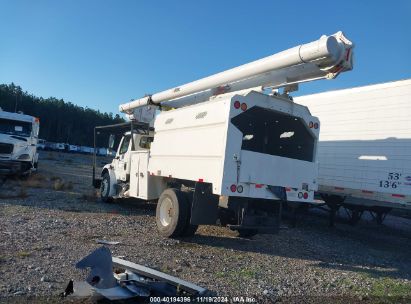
[(105, 188), (172, 213)]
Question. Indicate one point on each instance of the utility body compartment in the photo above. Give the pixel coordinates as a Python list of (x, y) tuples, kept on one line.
[(251, 141), (142, 184)]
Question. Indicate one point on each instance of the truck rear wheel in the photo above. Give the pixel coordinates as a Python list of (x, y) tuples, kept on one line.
[(172, 213), (105, 188)]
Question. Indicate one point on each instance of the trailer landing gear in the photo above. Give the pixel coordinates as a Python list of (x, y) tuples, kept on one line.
[(334, 202), (354, 214), (379, 214)]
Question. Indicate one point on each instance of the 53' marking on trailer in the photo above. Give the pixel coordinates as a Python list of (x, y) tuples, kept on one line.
[(391, 181)]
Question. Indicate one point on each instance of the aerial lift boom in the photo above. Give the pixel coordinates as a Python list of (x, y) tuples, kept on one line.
[(324, 58)]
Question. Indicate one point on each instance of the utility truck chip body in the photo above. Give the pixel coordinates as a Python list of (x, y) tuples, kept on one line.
[(220, 149), (18, 143)]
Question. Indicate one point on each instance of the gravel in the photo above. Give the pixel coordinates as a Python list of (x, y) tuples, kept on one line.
[(45, 230)]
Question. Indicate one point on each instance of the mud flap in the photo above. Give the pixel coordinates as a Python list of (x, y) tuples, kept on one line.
[(204, 209)]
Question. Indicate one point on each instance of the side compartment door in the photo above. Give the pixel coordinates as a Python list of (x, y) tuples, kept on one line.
[(143, 175), (134, 174)]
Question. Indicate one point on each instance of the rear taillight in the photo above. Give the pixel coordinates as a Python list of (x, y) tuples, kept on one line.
[(305, 195), (233, 188), (311, 124), (237, 104), (244, 106)]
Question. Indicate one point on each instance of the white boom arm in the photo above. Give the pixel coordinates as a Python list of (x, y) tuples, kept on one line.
[(323, 58)]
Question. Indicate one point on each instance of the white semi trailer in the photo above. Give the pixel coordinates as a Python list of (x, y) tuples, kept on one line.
[(223, 150), (364, 151), (18, 143)]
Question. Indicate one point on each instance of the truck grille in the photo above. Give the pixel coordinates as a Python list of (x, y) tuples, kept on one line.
[(6, 148)]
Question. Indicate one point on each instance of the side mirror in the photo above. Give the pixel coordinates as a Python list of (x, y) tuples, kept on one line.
[(111, 141)]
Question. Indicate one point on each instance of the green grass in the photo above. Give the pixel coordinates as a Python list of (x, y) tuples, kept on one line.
[(23, 254), (220, 274), (247, 273), (384, 287)]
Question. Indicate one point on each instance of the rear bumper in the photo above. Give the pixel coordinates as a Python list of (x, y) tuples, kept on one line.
[(260, 191), (11, 167)]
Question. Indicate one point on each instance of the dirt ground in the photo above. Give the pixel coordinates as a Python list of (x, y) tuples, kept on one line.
[(53, 219)]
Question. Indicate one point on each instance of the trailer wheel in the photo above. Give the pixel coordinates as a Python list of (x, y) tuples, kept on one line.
[(105, 188), (172, 213), (247, 233)]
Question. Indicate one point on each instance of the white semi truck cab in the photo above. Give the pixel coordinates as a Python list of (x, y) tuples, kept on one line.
[(221, 149), (18, 143)]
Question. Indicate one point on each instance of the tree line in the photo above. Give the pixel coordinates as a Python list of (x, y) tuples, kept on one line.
[(60, 121)]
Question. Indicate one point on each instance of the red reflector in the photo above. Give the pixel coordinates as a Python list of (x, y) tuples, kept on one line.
[(316, 125), (258, 185), (338, 188), (243, 106), (233, 188), (287, 189), (237, 104), (398, 195), (366, 191), (311, 124), (305, 195), (200, 180)]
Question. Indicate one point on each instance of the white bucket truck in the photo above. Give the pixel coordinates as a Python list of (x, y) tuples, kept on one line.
[(222, 150), (18, 143)]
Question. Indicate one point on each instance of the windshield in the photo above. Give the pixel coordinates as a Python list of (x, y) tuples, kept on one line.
[(125, 144), (15, 127)]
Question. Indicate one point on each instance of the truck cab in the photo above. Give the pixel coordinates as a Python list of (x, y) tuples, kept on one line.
[(122, 160), (18, 143)]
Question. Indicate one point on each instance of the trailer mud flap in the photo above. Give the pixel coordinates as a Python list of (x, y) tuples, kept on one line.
[(204, 209)]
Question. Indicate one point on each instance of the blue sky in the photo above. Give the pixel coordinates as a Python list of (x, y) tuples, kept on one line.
[(101, 53)]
